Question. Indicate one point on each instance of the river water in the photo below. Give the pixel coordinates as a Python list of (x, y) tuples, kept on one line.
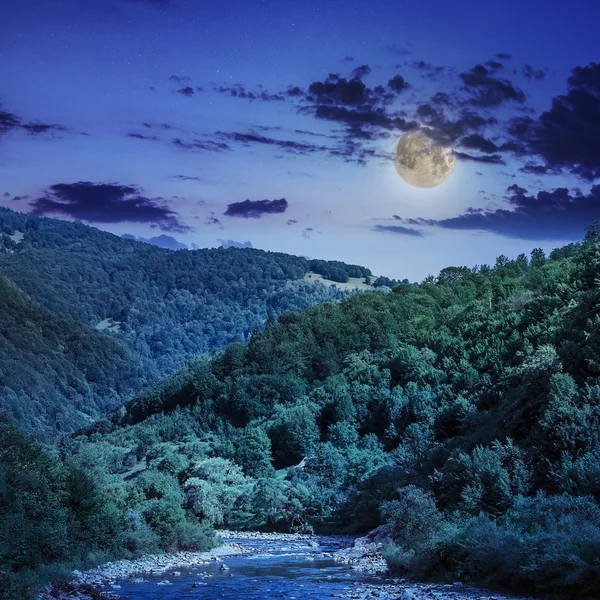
[(295, 569), (271, 570)]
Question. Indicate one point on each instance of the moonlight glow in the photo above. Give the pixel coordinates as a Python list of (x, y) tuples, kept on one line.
[(422, 163)]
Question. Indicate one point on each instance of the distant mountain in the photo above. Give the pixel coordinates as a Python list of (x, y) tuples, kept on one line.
[(158, 306), (162, 241)]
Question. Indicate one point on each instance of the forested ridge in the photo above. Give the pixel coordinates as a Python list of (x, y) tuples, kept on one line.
[(462, 413), (154, 307)]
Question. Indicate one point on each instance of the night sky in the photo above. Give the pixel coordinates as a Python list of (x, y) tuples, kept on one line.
[(272, 123)]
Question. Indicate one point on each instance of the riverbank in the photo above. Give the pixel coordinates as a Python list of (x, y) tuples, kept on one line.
[(363, 555), (85, 586)]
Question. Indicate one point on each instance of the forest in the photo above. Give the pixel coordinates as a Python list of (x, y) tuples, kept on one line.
[(88, 318), (462, 413)]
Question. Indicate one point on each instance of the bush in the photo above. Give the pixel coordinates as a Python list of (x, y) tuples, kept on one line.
[(546, 544)]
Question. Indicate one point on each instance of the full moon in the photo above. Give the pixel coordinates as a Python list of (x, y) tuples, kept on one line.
[(421, 162)]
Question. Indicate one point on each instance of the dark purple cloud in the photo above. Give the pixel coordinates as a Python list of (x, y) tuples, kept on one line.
[(556, 215), (487, 90), (186, 178), (478, 142), (447, 130), (196, 144), (397, 83), (239, 91), (398, 230), (255, 209), (186, 91), (212, 220), (106, 203), (361, 72), (427, 69), (255, 138), (491, 159), (530, 73), (11, 122), (141, 136), (568, 135)]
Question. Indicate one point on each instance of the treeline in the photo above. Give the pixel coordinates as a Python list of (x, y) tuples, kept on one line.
[(462, 413), (162, 307), (335, 270)]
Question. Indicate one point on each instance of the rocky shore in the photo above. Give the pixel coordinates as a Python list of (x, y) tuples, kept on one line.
[(84, 586)]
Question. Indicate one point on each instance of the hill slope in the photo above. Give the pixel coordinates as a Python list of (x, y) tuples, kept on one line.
[(160, 305), (463, 413), (56, 374)]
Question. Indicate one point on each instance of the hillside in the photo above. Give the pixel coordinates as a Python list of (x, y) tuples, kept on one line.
[(56, 374), (154, 306), (462, 413)]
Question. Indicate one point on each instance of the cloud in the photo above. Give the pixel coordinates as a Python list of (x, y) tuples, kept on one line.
[(181, 79), (36, 128), (568, 135), (8, 121), (397, 83), (336, 90), (397, 229), (295, 92), (556, 215), (478, 142), (106, 203), (186, 178), (239, 91), (492, 159), (255, 138), (255, 209), (141, 136), (446, 130), (503, 56), (305, 132), (234, 244), (530, 73), (11, 122), (487, 90), (186, 91), (533, 169), (162, 241), (196, 144), (212, 220), (398, 50), (361, 72), (494, 65), (427, 69)]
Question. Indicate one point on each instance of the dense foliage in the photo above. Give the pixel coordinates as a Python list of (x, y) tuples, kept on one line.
[(56, 515), (152, 308), (56, 374), (462, 413), (335, 270)]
